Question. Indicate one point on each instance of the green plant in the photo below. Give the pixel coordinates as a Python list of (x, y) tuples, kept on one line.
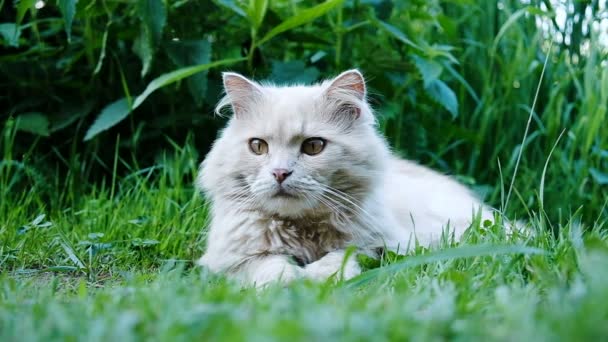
[(106, 112)]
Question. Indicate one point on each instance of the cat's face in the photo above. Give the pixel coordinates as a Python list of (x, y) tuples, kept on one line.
[(291, 151)]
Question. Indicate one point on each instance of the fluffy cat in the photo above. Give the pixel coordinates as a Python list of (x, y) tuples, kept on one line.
[(300, 173)]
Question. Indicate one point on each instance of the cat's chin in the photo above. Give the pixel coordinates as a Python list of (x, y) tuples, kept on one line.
[(287, 205), (282, 193)]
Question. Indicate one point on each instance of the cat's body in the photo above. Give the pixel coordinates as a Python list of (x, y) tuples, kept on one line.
[(300, 174)]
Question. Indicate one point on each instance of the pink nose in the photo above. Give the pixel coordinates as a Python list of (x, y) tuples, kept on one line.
[(281, 174)]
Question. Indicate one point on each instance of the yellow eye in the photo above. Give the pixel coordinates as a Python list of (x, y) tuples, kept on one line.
[(312, 146), (258, 146)]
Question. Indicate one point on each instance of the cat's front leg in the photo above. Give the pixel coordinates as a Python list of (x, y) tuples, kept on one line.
[(258, 270), (331, 264), (265, 269)]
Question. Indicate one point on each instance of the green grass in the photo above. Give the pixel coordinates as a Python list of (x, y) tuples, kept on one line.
[(117, 264)]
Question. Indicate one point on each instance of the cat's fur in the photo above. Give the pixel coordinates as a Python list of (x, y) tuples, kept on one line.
[(353, 193)]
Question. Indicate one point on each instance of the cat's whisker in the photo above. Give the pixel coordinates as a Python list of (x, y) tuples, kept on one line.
[(246, 204), (238, 192), (345, 197), (358, 209), (326, 202), (358, 234), (372, 225), (341, 215), (309, 198)]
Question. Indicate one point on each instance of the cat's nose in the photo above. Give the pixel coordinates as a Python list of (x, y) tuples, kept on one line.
[(281, 174)]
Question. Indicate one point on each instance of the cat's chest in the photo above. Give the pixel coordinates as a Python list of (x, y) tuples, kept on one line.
[(305, 240)]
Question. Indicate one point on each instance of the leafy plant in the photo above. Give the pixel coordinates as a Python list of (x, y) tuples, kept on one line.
[(452, 81)]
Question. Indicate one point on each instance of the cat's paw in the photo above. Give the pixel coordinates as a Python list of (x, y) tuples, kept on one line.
[(274, 272), (330, 265)]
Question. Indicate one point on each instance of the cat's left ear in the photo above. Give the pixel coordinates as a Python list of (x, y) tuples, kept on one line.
[(348, 90)]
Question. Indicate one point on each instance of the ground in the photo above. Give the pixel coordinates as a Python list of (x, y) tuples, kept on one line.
[(119, 265)]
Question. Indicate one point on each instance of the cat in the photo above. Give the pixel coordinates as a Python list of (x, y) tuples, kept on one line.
[(300, 173)]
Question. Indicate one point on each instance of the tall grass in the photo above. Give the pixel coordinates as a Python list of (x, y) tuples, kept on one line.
[(502, 57)]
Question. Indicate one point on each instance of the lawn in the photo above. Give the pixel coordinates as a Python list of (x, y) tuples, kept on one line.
[(120, 266)]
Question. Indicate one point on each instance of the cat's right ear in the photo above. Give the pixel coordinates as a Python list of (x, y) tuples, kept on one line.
[(240, 92)]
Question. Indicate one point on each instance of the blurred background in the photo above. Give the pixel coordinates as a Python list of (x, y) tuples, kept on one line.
[(92, 90)]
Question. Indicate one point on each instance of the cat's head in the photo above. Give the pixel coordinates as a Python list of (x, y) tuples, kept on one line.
[(295, 150)]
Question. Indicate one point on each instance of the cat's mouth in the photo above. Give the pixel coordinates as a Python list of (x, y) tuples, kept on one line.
[(282, 193)]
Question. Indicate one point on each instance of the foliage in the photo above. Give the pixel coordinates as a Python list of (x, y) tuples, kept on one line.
[(445, 78), (106, 110), (453, 82)]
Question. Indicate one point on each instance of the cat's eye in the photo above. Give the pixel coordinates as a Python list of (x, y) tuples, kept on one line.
[(258, 146), (312, 146)]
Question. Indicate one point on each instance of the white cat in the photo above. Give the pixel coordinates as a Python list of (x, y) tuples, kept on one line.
[(300, 173)]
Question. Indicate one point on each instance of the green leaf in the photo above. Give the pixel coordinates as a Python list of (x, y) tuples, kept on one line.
[(153, 15), (22, 7), (367, 262), (68, 10), (462, 81), (443, 95), (438, 50), (177, 75), (460, 252), (598, 176), (303, 17), (256, 12), (34, 122), (10, 32), (396, 33), (111, 115), (230, 4), (317, 56), (293, 72), (70, 252), (144, 51), (187, 53), (429, 69), (119, 110)]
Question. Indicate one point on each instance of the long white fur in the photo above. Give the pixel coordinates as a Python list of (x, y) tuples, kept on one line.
[(388, 202)]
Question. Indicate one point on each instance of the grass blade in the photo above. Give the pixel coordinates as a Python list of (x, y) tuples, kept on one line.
[(460, 252), (72, 255), (542, 179), (523, 142)]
